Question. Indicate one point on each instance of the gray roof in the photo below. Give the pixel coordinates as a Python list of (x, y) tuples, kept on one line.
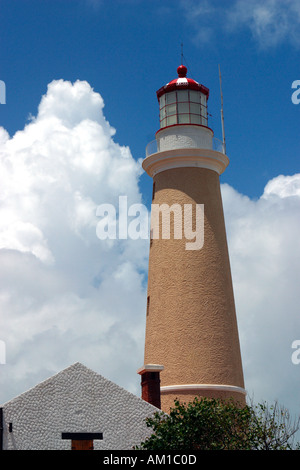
[(76, 399)]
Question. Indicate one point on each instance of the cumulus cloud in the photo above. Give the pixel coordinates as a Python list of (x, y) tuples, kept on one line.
[(263, 238), (66, 296), (270, 23)]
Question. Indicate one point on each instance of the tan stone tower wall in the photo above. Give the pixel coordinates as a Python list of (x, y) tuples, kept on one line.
[(191, 326)]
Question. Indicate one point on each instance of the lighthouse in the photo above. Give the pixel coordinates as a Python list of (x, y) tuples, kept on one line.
[(191, 341)]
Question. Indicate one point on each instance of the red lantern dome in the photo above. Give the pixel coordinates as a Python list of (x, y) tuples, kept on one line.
[(182, 101), (182, 82)]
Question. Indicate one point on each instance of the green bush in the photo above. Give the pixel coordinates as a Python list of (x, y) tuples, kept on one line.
[(211, 424)]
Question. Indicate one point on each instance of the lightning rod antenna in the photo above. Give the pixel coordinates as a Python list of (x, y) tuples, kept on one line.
[(222, 113)]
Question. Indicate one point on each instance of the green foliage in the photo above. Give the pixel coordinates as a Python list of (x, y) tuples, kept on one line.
[(211, 424)]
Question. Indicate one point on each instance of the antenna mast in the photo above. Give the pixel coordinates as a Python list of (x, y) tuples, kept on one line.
[(222, 114)]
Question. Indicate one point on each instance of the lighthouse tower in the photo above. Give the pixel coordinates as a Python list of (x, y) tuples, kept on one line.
[(192, 342)]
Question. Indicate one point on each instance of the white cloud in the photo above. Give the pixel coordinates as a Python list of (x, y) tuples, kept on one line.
[(66, 296), (283, 186), (263, 238), (24, 237), (270, 23)]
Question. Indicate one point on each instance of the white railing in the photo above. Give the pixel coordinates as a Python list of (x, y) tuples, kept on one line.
[(153, 146), (218, 145)]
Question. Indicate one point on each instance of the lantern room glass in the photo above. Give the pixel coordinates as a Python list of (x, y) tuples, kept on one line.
[(183, 107)]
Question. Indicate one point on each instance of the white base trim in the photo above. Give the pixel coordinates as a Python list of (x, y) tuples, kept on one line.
[(196, 387)]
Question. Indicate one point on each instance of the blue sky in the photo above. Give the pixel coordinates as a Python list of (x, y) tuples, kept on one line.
[(126, 50), (75, 71)]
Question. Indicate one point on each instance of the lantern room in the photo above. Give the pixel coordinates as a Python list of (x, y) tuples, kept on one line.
[(183, 116), (183, 101)]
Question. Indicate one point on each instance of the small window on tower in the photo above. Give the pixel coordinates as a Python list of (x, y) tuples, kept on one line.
[(204, 113), (183, 96), (148, 304), (195, 108), (195, 96), (195, 119), (163, 113), (183, 118), (162, 101), (171, 109), (183, 108), (171, 120), (171, 97)]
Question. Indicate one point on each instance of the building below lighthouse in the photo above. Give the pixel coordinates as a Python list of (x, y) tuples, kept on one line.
[(191, 342)]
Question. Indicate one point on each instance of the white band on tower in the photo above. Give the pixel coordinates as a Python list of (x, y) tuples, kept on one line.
[(190, 157), (192, 387)]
